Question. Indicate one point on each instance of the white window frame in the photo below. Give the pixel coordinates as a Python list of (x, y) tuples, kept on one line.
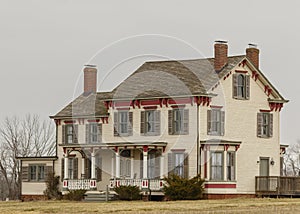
[(231, 165), (150, 123), (38, 175), (123, 124), (217, 166)]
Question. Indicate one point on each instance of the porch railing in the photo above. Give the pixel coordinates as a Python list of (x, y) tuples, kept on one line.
[(143, 184), (75, 184), (277, 185)]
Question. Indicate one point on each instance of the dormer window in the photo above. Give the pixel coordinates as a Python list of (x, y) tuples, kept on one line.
[(241, 86)]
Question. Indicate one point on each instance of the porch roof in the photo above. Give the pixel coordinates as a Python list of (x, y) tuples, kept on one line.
[(219, 142), (116, 144)]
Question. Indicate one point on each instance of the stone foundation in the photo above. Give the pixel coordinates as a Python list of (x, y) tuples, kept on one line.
[(228, 196)]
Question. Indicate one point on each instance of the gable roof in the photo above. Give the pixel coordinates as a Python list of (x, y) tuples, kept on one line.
[(172, 78), (90, 105)]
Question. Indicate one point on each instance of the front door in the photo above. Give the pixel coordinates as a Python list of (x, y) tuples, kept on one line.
[(264, 167), (264, 172)]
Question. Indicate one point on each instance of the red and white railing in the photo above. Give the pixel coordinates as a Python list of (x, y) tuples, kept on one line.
[(151, 184), (75, 184)]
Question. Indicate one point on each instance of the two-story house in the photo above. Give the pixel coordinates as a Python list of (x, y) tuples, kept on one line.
[(218, 117)]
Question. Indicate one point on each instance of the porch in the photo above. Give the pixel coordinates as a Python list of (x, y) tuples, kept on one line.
[(93, 167), (277, 186)]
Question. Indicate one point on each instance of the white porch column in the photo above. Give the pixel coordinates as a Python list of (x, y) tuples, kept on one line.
[(145, 162), (112, 165), (225, 165), (162, 164), (117, 163), (66, 166), (131, 164), (93, 160), (83, 167)]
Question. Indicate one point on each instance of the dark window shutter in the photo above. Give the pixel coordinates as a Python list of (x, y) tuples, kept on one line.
[(259, 124), (87, 169), (157, 122), (247, 84), (222, 123), (171, 163), (62, 169), (25, 174), (75, 175), (185, 121), (116, 124), (130, 123), (170, 122), (157, 166), (99, 169), (143, 117), (99, 134), (87, 134), (209, 121), (271, 125), (186, 165), (64, 134), (141, 165), (48, 170), (235, 85), (75, 134)]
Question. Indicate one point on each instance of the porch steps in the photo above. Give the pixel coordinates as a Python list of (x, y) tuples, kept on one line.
[(99, 196)]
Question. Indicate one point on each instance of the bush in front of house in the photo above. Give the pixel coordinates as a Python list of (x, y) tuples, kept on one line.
[(128, 193), (52, 184), (178, 188), (75, 195)]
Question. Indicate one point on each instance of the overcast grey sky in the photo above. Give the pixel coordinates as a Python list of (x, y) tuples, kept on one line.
[(44, 44)]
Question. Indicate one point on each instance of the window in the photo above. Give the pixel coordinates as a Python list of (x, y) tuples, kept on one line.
[(93, 133), (179, 167), (69, 134), (230, 163), (125, 163), (72, 168), (178, 120), (241, 86), (150, 122), (216, 167), (215, 122), (122, 123), (37, 172), (264, 125), (178, 164)]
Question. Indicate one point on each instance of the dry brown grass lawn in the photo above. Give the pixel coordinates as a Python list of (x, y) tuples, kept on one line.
[(256, 205)]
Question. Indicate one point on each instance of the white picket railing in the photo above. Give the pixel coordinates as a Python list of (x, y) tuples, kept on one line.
[(75, 184), (151, 184)]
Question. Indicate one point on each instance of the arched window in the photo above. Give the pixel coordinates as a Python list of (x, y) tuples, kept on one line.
[(241, 86)]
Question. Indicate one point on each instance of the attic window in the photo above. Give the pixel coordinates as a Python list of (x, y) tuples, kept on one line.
[(241, 86)]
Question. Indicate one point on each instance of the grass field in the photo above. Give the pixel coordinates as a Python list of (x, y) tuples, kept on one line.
[(257, 205)]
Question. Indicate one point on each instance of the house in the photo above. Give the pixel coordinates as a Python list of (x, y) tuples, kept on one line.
[(218, 117)]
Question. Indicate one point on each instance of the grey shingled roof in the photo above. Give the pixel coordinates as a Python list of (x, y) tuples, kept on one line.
[(86, 105), (154, 79), (173, 78)]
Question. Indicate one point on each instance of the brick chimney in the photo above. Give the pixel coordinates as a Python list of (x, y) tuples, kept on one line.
[(90, 79), (221, 50), (252, 54)]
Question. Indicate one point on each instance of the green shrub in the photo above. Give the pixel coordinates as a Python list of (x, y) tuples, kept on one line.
[(75, 195), (178, 188), (128, 193), (52, 184)]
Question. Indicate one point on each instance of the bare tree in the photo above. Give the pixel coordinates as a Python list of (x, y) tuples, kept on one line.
[(27, 137), (292, 160)]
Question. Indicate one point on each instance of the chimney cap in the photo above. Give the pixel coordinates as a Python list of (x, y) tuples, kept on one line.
[(90, 65), (252, 45), (221, 42)]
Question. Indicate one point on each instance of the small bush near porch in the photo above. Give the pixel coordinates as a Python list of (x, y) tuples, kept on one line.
[(128, 193), (178, 188)]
